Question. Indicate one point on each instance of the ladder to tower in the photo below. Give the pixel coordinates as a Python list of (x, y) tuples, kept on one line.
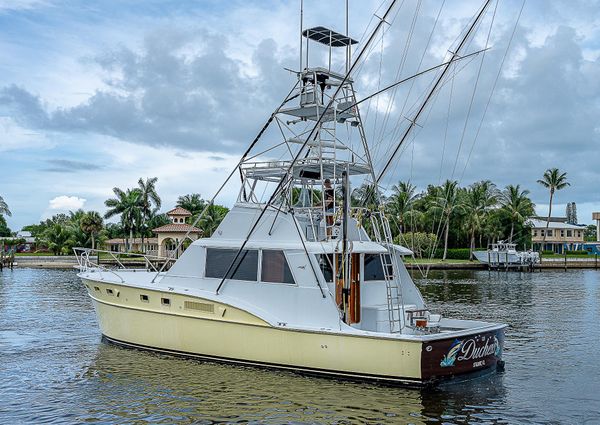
[(383, 235)]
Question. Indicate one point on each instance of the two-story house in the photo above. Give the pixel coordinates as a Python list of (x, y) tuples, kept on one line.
[(560, 236)]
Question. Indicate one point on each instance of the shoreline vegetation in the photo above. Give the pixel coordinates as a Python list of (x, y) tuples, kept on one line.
[(444, 222)]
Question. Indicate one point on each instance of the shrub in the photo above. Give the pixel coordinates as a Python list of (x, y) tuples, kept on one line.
[(453, 253), (577, 252), (547, 252)]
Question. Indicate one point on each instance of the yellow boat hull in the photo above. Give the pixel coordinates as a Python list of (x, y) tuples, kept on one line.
[(192, 326)]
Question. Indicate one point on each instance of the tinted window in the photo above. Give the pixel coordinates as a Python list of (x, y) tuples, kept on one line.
[(275, 268), (325, 264), (373, 266), (219, 260)]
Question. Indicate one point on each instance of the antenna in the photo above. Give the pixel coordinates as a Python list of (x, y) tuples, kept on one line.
[(348, 47), (301, 23)]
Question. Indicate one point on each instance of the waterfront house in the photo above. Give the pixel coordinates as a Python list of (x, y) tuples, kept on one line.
[(560, 235), (170, 235), (167, 237)]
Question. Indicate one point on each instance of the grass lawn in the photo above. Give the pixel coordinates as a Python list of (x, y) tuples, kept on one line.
[(568, 256), (34, 254), (435, 261)]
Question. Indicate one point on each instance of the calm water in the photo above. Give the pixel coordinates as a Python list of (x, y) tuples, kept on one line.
[(55, 369)]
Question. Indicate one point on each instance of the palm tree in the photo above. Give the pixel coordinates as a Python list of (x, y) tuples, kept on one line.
[(150, 201), (192, 202), (400, 204), (479, 198), (128, 205), (4, 207), (211, 220), (445, 203), (57, 237), (517, 205), (365, 195), (91, 223), (554, 180)]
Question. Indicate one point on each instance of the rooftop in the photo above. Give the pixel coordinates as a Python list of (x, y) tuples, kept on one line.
[(134, 241), (177, 228), (541, 224), (179, 211)]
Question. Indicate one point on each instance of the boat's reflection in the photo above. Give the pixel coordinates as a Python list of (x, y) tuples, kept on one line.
[(166, 388)]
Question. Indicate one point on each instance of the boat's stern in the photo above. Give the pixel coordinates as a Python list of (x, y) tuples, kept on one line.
[(449, 355)]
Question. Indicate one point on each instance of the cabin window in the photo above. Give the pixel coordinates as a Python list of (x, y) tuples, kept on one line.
[(535, 233), (275, 268), (109, 291), (218, 262), (325, 264), (373, 269), (562, 233), (165, 301), (548, 232), (569, 233), (144, 298)]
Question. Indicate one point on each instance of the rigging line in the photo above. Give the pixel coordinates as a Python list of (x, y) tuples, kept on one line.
[(397, 128), (242, 159), (362, 65), (494, 86), (422, 58), (412, 77), (446, 129), (462, 137), (313, 131), (403, 63), (426, 101), (414, 107), (378, 82), (400, 65)]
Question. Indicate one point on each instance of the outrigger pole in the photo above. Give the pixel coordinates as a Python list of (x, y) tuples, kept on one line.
[(312, 133), (455, 57)]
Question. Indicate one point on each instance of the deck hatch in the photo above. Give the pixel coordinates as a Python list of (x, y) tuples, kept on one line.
[(195, 305)]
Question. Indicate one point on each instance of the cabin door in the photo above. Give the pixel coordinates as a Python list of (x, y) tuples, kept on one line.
[(347, 294)]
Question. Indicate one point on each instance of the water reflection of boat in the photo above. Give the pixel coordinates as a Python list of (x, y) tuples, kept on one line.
[(299, 282), (506, 254)]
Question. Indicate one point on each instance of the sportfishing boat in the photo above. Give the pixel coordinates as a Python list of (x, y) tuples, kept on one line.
[(505, 254), (295, 277)]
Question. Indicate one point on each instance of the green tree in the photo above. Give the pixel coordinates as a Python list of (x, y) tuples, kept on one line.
[(516, 204), (4, 210), (479, 198), (4, 229), (57, 238), (365, 195), (150, 201), (192, 202), (589, 233), (212, 218), (419, 242), (128, 205), (91, 223), (400, 204), (444, 204), (552, 180)]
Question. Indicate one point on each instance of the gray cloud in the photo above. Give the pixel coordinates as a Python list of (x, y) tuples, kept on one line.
[(69, 166), (543, 115), (202, 103)]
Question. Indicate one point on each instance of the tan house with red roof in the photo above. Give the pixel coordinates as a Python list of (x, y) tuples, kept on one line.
[(167, 237), (170, 235)]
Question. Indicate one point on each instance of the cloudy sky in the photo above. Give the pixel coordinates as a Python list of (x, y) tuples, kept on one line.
[(97, 94)]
